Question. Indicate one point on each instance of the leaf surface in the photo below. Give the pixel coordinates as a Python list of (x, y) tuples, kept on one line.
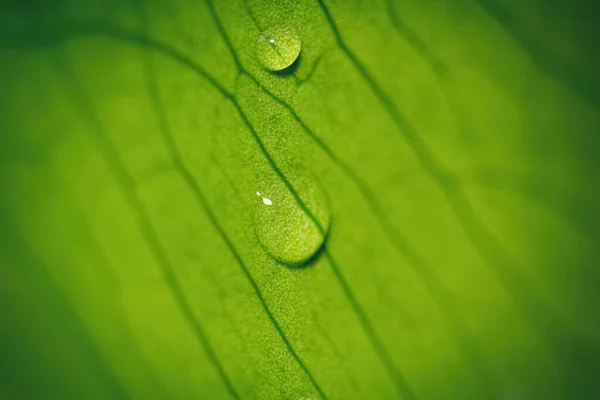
[(456, 143)]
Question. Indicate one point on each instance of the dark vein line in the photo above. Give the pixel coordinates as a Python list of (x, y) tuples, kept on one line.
[(378, 346), (228, 178), (253, 16), (154, 171), (164, 128), (279, 172), (546, 323), (215, 17), (431, 165), (412, 38), (251, 128), (484, 242), (222, 296), (400, 381), (185, 61), (84, 107), (437, 66), (179, 56), (564, 203), (292, 69), (309, 75), (157, 383), (565, 72), (396, 375), (333, 345), (437, 290), (107, 29), (408, 132), (95, 27), (191, 182), (323, 331), (166, 50), (568, 346)]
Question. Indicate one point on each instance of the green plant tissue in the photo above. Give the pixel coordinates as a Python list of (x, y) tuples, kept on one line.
[(299, 200)]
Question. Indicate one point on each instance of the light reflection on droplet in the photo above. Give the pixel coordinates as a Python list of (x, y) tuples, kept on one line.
[(264, 199), (277, 48), (290, 233)]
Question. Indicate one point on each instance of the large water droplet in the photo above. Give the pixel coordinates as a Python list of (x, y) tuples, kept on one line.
[(288, 232), (278, 48)]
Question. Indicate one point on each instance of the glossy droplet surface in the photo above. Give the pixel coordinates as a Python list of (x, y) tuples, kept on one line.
[(287, 232), (278, 48)]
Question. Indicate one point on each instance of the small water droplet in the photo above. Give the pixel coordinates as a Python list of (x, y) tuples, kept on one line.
[(278, 48), (286, 231)]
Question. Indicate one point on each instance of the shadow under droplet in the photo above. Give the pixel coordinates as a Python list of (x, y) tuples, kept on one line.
[(291, 70), (311, 261)]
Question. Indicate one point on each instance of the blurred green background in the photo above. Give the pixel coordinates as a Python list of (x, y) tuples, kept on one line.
[(457, 143)]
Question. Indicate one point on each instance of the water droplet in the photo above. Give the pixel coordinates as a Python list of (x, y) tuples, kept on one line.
[(288, 232), (278, 48), (264, 199)]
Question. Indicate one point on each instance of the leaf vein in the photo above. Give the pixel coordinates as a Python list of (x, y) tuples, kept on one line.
[(83, 106)]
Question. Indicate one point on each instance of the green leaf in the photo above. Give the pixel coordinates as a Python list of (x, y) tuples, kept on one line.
[(456, 144)]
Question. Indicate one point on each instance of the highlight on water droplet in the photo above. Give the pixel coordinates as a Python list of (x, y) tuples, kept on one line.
[(278, 48), (265, 200), (291, 229)]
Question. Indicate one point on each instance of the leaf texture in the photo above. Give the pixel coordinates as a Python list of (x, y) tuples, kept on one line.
[(456, 143)]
